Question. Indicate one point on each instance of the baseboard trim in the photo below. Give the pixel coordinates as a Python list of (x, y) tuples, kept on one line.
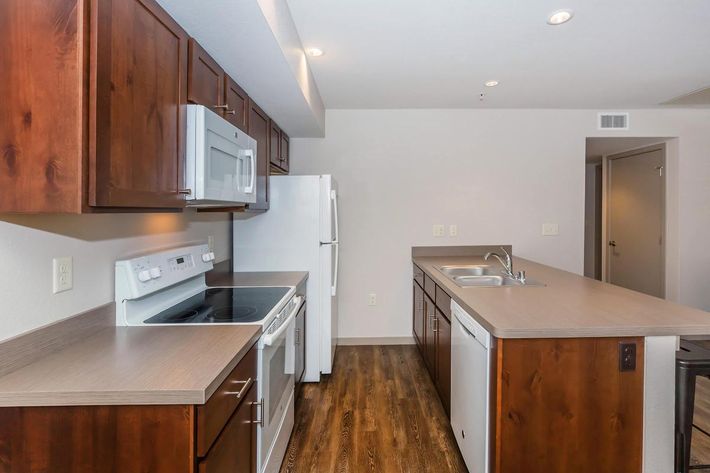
[(349, 341)]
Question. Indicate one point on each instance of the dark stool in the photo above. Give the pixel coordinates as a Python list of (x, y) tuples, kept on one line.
[(692, 360)]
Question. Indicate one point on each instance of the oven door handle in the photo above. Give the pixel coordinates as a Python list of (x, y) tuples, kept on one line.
[(272, 337)]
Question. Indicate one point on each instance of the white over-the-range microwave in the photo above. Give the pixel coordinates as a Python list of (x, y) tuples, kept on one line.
[(220, 165)]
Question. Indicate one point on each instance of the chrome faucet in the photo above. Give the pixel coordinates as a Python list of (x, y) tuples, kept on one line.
[(507, 263)]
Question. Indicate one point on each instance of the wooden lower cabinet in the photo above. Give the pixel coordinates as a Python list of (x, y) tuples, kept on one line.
[(216, 437), (418, 317), (563, 405), (443, 359), (235, 448), (432, 333)]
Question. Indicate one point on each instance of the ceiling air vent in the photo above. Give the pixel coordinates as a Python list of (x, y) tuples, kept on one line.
[(613, 121)]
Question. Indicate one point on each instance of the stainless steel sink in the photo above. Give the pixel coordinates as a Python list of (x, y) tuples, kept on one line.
[(469, 270), (483, 276), (492, 281)]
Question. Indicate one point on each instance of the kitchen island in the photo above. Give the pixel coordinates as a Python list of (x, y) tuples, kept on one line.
[(581, 373)]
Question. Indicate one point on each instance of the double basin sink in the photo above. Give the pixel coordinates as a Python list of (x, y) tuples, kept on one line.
[(481, 275)]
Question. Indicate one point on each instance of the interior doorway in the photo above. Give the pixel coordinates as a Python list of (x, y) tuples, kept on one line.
[(625, 213)]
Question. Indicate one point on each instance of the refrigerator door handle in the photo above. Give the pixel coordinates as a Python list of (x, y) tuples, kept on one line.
[(334, 198), (334, 287)]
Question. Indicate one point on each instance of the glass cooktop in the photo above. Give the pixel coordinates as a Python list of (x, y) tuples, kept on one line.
[(223, 305)]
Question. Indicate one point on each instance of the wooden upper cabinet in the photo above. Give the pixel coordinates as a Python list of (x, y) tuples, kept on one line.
[(41, 105), (284, 152), (275, 145), (237, 101), (205, 79), (136, 116), (259, 129)]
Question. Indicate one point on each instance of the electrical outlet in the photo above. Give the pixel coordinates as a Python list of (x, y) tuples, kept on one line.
[(438, 230), (210, 243), (63, 274), (550, 229), (627, 356), (372, 299), (453, 230)]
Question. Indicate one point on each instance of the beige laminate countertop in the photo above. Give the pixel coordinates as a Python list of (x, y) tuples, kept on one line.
[(568, 306), (133, 365), (141, 365)]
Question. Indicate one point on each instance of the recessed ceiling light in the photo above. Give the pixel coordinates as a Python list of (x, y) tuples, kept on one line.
[(491, 83), (315, 52), (560, 16)]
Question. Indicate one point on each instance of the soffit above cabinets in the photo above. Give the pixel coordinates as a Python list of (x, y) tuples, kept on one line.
[(429, 54), (256, 43)]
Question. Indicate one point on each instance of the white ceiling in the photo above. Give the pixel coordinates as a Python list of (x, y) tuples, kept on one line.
[(437, 53)]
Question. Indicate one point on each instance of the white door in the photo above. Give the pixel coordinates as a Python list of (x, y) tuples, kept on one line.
[(635, 206)]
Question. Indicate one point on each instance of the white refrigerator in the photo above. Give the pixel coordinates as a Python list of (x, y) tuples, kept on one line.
[(299, 232)]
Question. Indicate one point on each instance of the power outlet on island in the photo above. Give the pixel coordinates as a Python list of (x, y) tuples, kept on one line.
[(438, 230), (453, 230)]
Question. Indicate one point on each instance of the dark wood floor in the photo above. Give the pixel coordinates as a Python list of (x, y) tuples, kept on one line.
[(378, 412)]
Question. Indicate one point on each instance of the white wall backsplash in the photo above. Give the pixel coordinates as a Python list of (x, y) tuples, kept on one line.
[(497, 174), (29, 242)]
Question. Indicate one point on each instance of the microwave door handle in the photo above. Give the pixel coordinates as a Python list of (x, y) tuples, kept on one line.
[(250, 188)]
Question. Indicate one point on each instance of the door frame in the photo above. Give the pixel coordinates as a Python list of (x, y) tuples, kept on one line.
[(606, 181)]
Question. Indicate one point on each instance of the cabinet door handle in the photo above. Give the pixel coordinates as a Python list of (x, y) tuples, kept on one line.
[(259, 421), (230, 112), (298, 336), (221, 107), (185, 191), (239, 394)]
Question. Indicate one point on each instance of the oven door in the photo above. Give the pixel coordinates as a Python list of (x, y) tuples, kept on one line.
[(276, 381)]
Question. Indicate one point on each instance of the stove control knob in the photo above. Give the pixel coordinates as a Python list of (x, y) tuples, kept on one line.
[(144, 276), (155, 273), (206, 257)]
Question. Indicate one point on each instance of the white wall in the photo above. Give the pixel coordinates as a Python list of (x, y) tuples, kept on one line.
[(29, 242), (498, 175)]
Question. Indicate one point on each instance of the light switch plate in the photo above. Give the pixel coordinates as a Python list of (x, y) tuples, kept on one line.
[(438, 230), (63, 274), (550, 229), (453, 230)]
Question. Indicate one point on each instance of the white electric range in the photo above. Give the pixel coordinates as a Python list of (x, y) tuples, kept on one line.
[(169, 288)]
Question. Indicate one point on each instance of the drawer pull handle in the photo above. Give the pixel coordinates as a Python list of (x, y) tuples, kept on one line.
[(241, 392), (260, 421)]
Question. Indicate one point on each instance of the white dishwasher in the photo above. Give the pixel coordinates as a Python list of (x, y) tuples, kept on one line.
[(470, 383)]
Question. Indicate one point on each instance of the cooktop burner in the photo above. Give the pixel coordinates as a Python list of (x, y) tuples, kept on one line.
[(223, 305)]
